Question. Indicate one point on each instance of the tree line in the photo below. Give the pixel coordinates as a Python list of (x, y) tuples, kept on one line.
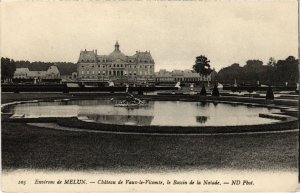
[(279, 72), (8, 67), (273, 73)]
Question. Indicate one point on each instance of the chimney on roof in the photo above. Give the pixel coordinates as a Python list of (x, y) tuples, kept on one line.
[(96, 51)]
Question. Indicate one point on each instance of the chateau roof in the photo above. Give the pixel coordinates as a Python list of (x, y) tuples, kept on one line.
[(21, 71), (191, 74), (91, 56), (87, 56), (185, 73), (117, 54), (143, 56), (25, 71), (177, 72), (53, 70)]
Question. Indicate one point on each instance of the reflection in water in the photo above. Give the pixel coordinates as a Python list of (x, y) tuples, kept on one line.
[(202, 104), (166, 113), (201, 119), (205, 103), (121, 119)]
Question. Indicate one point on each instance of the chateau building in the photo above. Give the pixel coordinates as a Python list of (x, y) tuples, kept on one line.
[(116, 66), (24, 73), (180, 75)]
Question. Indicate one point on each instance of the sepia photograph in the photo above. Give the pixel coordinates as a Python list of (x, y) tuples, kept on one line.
[(149, 95)]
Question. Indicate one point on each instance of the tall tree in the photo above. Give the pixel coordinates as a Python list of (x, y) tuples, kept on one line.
[(8, 68), (231, 73), (287, 70), (271, 62), (253, 70), (202, 65)]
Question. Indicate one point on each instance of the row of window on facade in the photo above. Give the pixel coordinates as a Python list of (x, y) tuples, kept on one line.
[(179, 79), (102, 77), (117, 73), (145, 61), (119, 66), (30, 76)]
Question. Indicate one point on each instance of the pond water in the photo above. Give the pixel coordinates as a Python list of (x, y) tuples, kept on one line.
[(164, 113)]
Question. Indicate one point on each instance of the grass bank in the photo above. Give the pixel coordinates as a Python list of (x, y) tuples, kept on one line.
[(25, 146)]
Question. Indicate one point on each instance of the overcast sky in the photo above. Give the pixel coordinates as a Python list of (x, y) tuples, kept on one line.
[(175, 31)]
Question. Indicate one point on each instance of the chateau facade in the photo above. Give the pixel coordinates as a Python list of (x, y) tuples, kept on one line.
[(116, 66), (181, 75), (25, 73)]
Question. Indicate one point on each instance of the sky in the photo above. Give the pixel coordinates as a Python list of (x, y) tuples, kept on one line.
[(175, 32)]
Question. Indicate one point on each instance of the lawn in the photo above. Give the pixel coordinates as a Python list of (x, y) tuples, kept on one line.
[(25, 146)]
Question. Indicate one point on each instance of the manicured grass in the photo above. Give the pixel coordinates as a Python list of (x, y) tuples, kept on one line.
[(25, 146)]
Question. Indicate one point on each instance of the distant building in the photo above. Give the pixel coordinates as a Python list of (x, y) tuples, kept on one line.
[(180, 75), (25, 73), (116, 66), (69, 77)]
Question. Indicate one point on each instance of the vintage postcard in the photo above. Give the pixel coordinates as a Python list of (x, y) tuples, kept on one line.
[(149, 96)]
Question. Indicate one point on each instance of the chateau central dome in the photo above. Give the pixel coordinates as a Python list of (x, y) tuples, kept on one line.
[(117, 54)]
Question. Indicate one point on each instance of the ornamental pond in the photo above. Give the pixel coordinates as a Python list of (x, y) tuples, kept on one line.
[(156, 113)]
